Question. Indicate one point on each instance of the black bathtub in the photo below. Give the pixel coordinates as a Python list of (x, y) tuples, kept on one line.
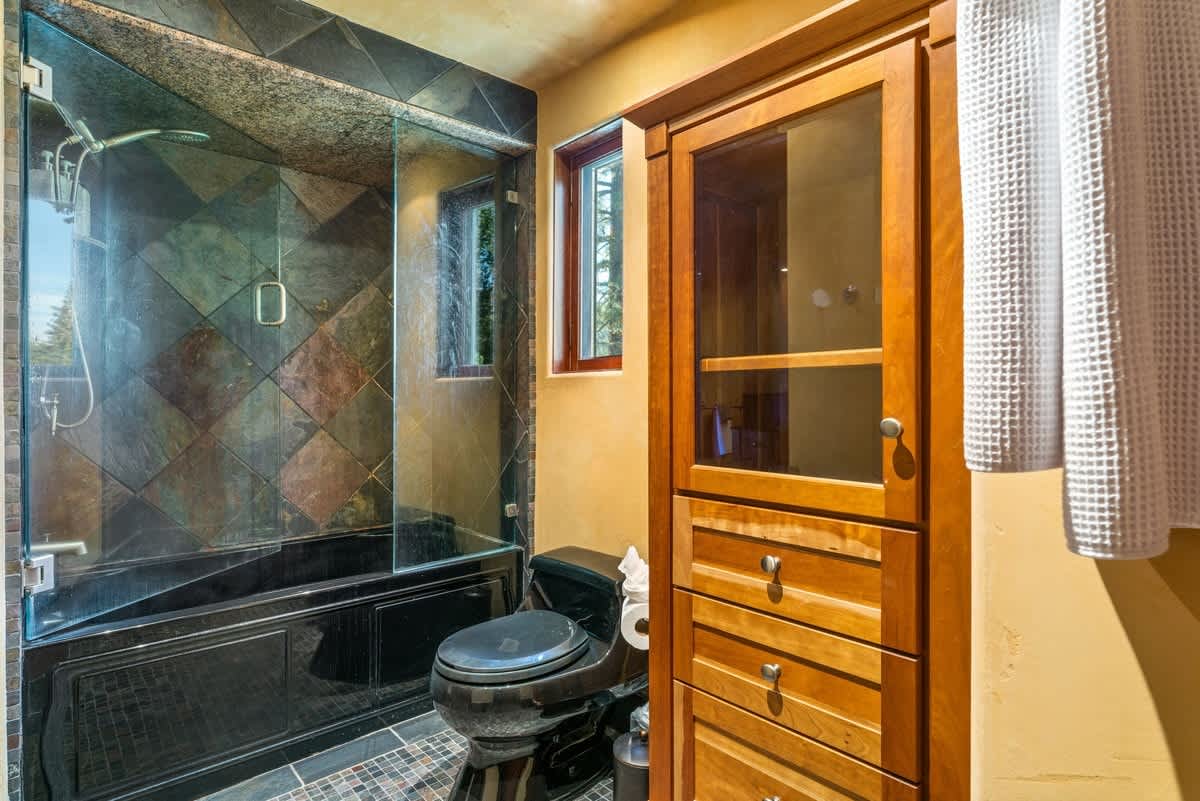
[(252, 667)]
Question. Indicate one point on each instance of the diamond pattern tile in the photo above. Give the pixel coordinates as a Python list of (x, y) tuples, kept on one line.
[(265, 428), (204, 489), (250, 210), (320, 376), (206, 172), (455, 94), (140, 531), (133, 434), (333, 51), (370, 506), (203, 261), (69, 495), (147, 199), (323, 197), (341, 257), (143, 314), (203, 374), (268, 518), (364, 329), (364, 425), (321, 477), (406, 67), (266, 345), (273, 24)]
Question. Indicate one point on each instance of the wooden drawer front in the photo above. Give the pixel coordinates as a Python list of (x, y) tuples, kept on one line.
[(856, 579), (725, 754), (846, 694)]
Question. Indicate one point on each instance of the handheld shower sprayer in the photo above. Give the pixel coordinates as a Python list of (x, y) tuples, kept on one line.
[(62, 172)]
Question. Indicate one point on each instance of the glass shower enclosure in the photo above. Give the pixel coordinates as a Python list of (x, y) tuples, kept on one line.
[(227, 356)]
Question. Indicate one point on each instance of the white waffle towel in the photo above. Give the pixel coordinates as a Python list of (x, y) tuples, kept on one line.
[(1080, 143)]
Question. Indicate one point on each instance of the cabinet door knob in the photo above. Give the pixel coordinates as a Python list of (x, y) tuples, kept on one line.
[(891, 428), (771, 672), (770, 564)]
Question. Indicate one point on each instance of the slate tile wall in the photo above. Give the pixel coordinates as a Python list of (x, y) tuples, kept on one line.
[(212, 430), (306, 37), (341, 318)]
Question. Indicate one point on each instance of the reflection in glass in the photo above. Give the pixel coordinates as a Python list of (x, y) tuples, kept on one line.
[(788, 266), (784, 421), (788, 227), (601, 257)]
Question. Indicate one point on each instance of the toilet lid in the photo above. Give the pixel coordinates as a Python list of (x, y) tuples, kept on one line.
[(518, 647)]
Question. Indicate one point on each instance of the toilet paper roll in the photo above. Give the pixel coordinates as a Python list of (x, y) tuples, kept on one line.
[(635, 618)]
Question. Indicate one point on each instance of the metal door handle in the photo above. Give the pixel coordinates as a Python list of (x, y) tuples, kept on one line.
[(770, 564), (891, 428), (771, 672), (258, 303)]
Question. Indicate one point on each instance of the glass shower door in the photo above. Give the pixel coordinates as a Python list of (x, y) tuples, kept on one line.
[(153, 322)]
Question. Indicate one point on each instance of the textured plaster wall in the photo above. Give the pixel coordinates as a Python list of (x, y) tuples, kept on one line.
[(1087, 685), (1087, 674), (591, 461)]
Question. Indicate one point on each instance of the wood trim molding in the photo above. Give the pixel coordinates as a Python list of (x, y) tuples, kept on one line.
[(834, 26), (948, 556), (662, 750)]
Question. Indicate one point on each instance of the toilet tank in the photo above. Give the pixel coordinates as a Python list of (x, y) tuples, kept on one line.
[(582, 584)]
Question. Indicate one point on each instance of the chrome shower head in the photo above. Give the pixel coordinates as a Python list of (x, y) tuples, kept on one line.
[(176, 135)]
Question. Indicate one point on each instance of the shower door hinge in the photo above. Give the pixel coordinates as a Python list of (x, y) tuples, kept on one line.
[(512, 196), (37, 78), (37, 574)]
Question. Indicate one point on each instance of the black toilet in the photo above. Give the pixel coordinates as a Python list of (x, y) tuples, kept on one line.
[(541, 693)]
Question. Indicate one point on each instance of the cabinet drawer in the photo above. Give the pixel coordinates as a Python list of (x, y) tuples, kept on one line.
[(723, 753), (846, 694), (852, 578)]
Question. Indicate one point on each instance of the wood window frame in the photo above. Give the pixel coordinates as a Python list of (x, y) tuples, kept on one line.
[(568, 163)]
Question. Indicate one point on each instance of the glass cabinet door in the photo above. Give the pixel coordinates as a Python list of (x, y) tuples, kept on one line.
[(796, 269)]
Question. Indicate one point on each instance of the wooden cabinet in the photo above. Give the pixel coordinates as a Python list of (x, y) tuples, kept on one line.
[(795, 293), (801, 315), (860, 700), (723, 753), (856, 579)]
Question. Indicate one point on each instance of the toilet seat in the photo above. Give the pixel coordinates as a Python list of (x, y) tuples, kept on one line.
[(518, 647)]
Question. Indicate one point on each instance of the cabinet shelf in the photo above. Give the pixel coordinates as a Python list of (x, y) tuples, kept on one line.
[(855, 357)]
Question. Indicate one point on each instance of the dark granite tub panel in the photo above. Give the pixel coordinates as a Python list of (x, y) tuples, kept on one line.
[(172, 705)]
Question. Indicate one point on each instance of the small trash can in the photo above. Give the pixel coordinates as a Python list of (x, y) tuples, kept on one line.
[(631, 760)]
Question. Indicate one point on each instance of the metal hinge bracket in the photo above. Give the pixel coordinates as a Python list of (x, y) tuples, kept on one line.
[(512, 196), (37, 574), (37, 78)]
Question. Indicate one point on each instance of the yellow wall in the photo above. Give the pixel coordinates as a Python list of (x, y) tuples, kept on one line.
[(591, 429), (1087, 675)]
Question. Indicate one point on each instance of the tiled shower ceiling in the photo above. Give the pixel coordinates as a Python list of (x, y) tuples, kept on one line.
[(316, 41), (211, 430)]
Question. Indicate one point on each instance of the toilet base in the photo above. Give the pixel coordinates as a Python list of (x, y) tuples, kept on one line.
[(556, 766)]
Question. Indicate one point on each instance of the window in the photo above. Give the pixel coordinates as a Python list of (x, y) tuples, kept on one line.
[(590, 239), (466, 319)]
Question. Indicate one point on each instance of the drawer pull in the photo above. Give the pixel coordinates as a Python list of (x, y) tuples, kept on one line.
[(770, 564), (773, 798), (771, 672)]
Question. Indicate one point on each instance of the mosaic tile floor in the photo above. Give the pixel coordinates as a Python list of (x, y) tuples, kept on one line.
[(417, 760)]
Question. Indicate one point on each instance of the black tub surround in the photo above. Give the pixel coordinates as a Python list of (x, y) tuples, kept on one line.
[(159, 703)]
